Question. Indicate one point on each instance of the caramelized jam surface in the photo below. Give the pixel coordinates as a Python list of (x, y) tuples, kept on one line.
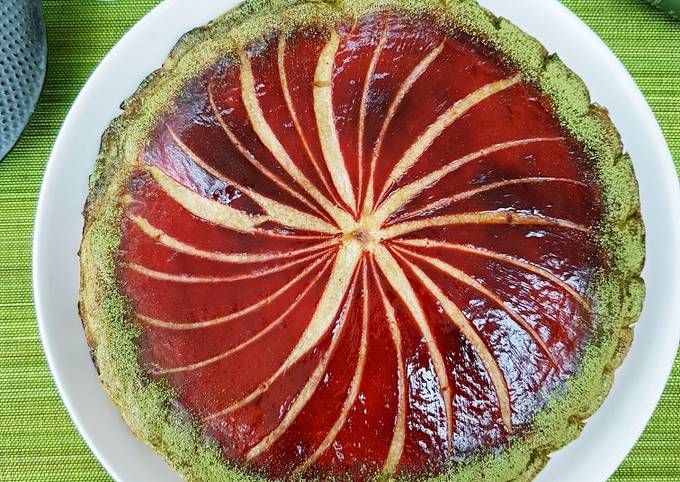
[(359, 251)]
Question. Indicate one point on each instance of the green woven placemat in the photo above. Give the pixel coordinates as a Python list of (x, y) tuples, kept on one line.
[(37, 439)]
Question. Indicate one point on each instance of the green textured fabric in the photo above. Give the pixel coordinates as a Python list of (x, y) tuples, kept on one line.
[(37, 439)]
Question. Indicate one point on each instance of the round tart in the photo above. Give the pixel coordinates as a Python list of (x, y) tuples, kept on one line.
[(354, 240)]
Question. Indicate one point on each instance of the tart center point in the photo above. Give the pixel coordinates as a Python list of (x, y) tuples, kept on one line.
[(366, 238)]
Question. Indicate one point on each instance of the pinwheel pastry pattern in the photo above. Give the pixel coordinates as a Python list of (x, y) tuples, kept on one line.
[(364, 247)]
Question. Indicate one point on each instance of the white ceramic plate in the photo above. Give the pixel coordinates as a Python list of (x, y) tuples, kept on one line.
[(608, 436)]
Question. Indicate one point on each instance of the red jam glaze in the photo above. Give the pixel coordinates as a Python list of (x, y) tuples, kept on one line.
[(291, 362), (265, 70)]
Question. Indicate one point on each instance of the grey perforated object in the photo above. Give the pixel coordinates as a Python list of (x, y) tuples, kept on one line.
[(23, 57)]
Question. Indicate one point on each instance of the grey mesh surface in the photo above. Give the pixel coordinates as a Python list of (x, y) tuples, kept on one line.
[(23, 54)]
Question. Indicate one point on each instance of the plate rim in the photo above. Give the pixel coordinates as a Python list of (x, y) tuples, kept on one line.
[(98, 76)]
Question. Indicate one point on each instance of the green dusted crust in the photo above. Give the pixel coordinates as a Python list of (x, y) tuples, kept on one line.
[(617, 292)]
